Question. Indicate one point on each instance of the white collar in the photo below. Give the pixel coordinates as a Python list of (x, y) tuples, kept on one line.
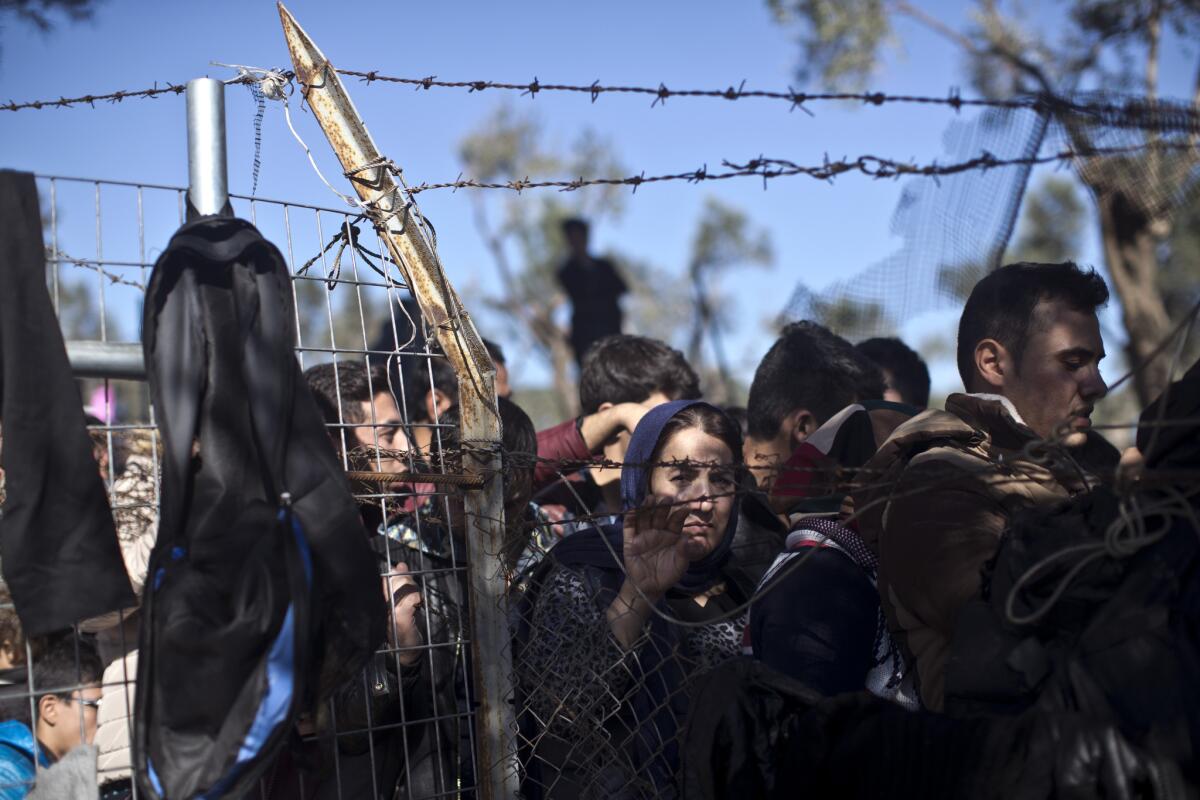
[(1002, 400)]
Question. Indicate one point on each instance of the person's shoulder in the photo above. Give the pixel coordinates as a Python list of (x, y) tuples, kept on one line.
[(818, 568), (16, 734), (16, 752)]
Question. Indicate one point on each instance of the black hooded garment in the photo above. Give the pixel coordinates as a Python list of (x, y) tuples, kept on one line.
[(262, 594), (60, 553)]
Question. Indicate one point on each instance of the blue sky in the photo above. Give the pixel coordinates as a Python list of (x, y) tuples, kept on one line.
[(820, 231)]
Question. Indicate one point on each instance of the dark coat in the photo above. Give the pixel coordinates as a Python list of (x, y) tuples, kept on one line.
[(760, 734), (60, 554)]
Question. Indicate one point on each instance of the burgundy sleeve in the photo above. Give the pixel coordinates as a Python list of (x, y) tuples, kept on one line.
[(560, 443)]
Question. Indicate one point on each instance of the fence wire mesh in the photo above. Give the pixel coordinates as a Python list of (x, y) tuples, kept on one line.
[(407, 720)]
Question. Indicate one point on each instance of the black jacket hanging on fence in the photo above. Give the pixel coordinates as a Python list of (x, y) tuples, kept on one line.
[(263, 594), (60, 552)]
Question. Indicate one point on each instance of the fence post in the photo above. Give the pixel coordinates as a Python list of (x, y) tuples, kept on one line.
[(404, 231), (208, 174)]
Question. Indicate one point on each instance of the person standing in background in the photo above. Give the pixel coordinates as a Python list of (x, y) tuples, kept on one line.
[(594, 288)]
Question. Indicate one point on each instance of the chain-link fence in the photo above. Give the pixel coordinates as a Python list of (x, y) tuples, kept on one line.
[(408, 720)]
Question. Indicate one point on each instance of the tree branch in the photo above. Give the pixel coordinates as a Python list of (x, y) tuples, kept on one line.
[(936, 25), (994, 47), (1153, 37), (1196, 89)]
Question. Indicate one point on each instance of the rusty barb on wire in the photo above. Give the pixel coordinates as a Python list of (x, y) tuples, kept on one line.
[(769, 168)]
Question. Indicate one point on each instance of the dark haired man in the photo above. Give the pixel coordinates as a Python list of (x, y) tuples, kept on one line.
[(905, 376), (943, 486), (807, 376), (594, 287), (361, 411), (622, 377), (433, 757), (431, 389)]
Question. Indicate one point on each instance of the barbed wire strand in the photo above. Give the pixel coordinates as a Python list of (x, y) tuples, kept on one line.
[(875, 167), (1131, 109), (60, 256)]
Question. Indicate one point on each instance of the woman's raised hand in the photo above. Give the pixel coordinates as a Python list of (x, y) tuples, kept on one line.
[(654, 546)]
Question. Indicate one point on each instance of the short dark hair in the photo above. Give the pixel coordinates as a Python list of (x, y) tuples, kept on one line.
[(353, 381), (67, 663), (574, 224), (738, 415), (438, 373), (628, 369), (495, 351), (808, 367), (434, 372), (1002, 304), (910, 375)]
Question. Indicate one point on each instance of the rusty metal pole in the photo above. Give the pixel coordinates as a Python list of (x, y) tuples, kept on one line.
[(401, 226)]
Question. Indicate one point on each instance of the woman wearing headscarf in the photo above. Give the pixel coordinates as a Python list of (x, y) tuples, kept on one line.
[(619, 620)]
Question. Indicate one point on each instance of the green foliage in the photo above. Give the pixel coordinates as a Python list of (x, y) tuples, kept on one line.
[(724, 238), (510, 145), (848, 318), (39, 13), (1179, 276), (78, 314), (841, 41), (1052, 223)]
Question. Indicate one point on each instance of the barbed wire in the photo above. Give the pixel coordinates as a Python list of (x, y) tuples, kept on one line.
[(92, 99), (875, 167), (59, 256), (1131, 109)]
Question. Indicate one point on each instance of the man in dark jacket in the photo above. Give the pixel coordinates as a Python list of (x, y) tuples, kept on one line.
[(431, 689), (595, 289), (945, 484)]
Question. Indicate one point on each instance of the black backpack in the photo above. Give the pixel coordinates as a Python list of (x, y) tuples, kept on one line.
[(262, 593)]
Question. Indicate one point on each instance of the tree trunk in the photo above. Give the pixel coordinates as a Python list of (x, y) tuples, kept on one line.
[(553, 341), (561, 358), (1129, 248)]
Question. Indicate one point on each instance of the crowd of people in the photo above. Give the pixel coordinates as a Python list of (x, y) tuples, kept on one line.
[(833, 530), (834, 541)]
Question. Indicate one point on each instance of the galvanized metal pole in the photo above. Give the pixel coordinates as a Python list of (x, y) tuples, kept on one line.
[(114, 360), (208, 174), (401, 226)]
